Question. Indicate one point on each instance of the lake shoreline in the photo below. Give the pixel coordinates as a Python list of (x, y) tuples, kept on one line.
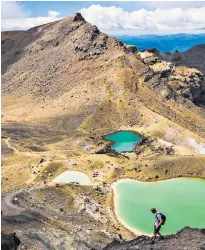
[(72, 177), (135, 231)]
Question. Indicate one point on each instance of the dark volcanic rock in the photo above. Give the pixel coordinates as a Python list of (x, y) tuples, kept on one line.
[(175, 57), (187, 238), (78, 17), (107, 150), (9, 242), (193, 58), (131, 49)]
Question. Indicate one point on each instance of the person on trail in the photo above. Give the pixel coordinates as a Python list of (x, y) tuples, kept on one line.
[(159, 221)]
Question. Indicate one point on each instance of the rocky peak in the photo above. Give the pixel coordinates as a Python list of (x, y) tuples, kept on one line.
[(78, 17), (72, 39), (175, 57)]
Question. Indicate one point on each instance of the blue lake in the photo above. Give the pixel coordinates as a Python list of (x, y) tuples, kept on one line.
[(123, 141)]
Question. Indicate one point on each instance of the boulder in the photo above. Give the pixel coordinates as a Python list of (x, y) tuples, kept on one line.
[(9, 241)]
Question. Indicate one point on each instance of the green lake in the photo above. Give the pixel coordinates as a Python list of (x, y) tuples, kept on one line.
[(72, 176), (123, 141), (182, 200)]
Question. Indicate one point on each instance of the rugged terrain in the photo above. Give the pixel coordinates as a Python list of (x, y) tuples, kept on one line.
[(65, 85), (187, 238), (193, 58)]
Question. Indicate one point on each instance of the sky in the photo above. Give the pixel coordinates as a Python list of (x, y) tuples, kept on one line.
[(114, 18)]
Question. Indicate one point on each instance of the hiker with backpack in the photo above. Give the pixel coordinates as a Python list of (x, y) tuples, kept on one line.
[(159, 221)]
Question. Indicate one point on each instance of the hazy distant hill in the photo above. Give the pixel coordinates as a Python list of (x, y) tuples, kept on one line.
[(164, 43), (193, 57)]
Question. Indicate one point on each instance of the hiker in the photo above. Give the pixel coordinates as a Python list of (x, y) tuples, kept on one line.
[(159, 221)]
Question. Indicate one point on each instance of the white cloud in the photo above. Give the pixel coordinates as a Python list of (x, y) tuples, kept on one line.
[(115, 20), (11, 10), (53, 13), (14, 17), (25, 23), (171, 20), (174, 4)]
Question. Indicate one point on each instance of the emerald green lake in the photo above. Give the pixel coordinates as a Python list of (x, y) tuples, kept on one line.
[(182, 200), (72, 176), (124, 141)]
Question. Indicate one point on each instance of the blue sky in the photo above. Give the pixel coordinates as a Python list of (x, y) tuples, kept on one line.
[(111, 17), (41, 8), (68, 8)]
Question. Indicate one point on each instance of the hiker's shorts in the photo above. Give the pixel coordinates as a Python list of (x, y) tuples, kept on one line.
[(157, 229)]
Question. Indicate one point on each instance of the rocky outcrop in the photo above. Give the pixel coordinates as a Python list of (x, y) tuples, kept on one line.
[(107, 150), (192, 58), (187, 238), (172, 80), (87, 205), (9, 241)]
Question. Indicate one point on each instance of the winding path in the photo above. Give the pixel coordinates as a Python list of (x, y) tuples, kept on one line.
[(9, 145), (8, 208), (17, 151)]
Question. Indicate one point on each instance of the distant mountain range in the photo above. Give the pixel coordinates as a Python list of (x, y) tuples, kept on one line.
[(164, 43)]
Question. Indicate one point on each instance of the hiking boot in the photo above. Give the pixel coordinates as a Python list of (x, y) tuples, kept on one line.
[(152, 242)]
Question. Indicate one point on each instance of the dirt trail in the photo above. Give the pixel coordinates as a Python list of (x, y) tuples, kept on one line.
[(8, 208), (9, 145), (19, 152)]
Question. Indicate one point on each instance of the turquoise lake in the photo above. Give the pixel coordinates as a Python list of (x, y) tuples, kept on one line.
[(72, 176), (182, 200), (123, 141)]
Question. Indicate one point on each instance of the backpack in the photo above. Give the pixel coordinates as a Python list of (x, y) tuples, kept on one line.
[(163, 218)]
